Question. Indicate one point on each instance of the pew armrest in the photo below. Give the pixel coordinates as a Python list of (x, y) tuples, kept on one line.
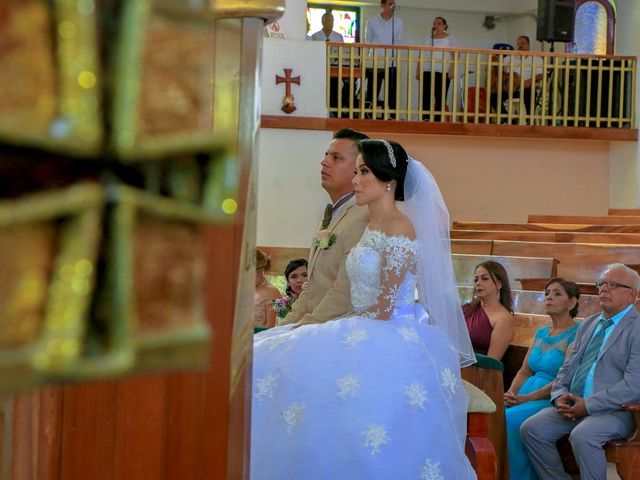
[(634, 408)]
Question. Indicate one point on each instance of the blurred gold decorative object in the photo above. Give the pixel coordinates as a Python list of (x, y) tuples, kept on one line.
[(47, 277), (109, 176), (267, 9), (159, 109), (155, 278), (50, 79)]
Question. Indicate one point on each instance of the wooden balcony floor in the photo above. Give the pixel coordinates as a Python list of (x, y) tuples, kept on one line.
[(445, 128)]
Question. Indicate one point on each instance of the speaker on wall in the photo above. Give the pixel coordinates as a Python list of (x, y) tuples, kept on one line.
[(555, 20)]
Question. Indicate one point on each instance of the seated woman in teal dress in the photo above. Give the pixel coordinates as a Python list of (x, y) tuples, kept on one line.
[(530, 389)]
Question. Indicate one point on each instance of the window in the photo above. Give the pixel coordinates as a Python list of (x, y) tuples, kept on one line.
[(594, 30)]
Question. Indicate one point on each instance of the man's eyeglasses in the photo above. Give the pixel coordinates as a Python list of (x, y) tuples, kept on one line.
[(610, 285)]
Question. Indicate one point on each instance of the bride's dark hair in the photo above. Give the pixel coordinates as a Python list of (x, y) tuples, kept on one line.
[(375, 155)]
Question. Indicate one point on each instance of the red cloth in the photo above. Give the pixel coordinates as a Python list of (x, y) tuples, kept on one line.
[(479, 327)]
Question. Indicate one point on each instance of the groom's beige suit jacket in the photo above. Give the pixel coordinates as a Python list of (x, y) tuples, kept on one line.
[(327, 294)]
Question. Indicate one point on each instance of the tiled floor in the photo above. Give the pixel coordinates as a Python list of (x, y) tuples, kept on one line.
[(611, 472)]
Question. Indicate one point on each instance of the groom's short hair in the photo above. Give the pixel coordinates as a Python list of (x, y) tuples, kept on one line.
[(350, 134)]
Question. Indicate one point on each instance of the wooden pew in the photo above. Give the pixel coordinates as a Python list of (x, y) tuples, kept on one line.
[(630, 212), (546, 227), (580, 262), (463, 264), (281, 256), (585, 219), (538, 236), (537, 284), (517, 266), (532, 302), (472, 246)]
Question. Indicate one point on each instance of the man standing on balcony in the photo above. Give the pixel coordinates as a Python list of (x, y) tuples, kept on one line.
[(327, 34), (385, 28)]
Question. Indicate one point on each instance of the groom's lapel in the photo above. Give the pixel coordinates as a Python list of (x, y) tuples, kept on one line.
[(314, 252)]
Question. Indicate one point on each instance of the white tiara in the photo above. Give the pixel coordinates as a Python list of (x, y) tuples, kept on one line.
[(392, 157)]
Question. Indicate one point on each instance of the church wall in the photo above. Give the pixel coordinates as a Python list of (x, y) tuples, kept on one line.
[(625, 157), (485, 179), (290, 198), (504, 180)]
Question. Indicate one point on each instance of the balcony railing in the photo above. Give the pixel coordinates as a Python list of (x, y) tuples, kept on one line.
[(485, 86)]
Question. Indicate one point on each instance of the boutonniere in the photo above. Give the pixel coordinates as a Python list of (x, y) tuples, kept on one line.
[(324, 239)]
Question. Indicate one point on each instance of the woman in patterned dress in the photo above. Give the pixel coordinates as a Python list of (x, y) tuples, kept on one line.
[(375, 394)]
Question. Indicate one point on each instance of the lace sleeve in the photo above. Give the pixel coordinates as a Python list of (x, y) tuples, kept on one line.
[(397, 259)]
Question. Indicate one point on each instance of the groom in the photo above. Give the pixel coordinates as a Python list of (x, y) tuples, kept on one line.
[(326, 295)]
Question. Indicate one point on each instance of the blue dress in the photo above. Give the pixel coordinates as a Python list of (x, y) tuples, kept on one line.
[(358, 397), (546, 357)]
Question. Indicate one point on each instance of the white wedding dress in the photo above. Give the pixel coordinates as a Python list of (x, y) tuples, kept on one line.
[(373, 395)]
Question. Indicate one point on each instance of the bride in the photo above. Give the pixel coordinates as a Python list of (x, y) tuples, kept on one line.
[(376, 394)]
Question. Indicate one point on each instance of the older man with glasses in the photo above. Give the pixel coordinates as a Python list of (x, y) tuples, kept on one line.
[(601, 373)]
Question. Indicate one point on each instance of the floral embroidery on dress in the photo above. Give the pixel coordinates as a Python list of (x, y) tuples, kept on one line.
[(449, 381), (293, 416), (375, 436), (388, 260), (348, 386), (355, 337), (266, 386), (409, 334), (430, 470), (417, 394)]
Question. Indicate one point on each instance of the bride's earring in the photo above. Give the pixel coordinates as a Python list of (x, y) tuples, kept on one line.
[(388, 187)]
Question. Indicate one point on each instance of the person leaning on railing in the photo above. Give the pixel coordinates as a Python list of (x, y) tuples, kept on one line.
[(439, 38)]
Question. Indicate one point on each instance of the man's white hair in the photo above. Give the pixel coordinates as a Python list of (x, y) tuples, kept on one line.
[(633, 275)]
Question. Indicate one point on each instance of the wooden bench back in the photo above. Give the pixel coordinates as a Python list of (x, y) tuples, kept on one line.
[(627, 212), (281, 256), (532, 302), (536, 236), (585, 220), (546, 227), (516, 266), (472, 246), (580, 262)]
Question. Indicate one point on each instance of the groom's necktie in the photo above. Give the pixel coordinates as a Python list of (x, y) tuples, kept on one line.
[(590, 355), (328, 213), (330, 208)]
